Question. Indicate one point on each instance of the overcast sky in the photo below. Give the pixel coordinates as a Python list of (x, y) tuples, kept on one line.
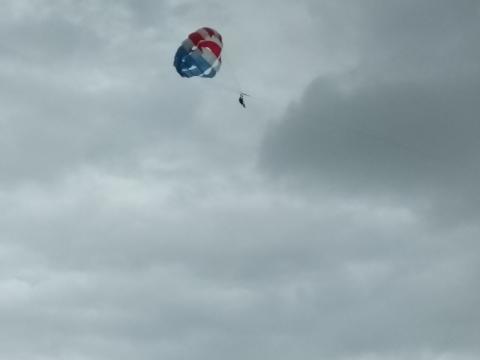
[(147, 216)]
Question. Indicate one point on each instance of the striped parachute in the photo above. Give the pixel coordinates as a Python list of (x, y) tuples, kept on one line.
[(199, 54)]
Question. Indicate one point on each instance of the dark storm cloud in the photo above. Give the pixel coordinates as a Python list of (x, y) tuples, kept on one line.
[(409, 140), (405, 123), (399, 130)]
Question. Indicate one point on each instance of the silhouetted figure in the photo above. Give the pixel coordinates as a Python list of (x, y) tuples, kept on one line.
[(241, 101)]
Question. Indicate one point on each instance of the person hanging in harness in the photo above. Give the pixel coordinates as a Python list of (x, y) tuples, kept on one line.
[(241, 100)]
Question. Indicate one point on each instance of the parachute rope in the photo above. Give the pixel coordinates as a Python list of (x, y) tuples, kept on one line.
[(200, 55)]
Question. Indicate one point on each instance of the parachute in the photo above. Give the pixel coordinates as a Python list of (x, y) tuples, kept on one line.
[(199, 54)]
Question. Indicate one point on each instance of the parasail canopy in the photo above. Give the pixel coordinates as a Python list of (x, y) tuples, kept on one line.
[(200, 54)]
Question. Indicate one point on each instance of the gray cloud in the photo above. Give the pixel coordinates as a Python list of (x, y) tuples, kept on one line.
[(404, 122), (398, 130), (415, 141), (397, 40), (72, 94), (184, 273), (137, 222)]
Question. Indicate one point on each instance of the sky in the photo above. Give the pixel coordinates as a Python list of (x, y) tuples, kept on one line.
[(148, 216)]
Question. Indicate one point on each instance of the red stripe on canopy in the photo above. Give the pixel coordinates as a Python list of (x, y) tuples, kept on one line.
[(212, 46)]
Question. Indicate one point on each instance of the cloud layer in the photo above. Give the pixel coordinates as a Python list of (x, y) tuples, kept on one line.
[(143, 216)]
